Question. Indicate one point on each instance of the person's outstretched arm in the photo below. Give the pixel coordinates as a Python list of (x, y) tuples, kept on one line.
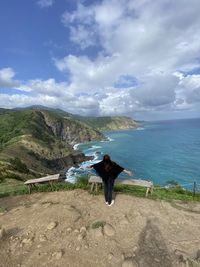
[(128, 172)]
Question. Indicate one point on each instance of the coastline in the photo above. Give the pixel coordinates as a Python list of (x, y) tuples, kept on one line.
[(91, 158)]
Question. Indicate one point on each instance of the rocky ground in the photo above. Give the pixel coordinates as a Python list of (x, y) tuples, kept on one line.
[(75, 228)]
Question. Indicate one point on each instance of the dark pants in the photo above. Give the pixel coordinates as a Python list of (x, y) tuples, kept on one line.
[(108, 188)]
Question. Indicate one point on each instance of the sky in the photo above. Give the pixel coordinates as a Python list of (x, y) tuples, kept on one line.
[(139, 58)]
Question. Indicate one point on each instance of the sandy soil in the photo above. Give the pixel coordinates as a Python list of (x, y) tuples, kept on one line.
[(75, 228)]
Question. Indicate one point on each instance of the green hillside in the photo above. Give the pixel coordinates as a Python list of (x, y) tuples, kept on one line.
[(104, 123), (39, 142), (110, 123)]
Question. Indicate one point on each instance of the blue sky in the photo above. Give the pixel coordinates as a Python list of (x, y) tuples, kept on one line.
[(114, 57)]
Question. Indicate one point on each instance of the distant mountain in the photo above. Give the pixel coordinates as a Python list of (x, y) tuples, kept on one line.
[(110, 123)]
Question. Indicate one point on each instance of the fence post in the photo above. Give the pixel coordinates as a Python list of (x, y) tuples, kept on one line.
[(194, 189)]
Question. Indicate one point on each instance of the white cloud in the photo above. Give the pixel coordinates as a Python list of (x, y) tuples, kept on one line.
[(6, 78), (142, 33), (82, 36), (189, 88), (46, 87), (154, 42), (88, 75), (150, 41), (45, 3)]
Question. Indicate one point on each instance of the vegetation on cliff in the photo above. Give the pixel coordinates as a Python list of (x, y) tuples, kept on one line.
[(39, 142), (110, 123)]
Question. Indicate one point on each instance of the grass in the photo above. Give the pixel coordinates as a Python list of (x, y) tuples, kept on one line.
[(98, 224), (2, 210), (11, 187)]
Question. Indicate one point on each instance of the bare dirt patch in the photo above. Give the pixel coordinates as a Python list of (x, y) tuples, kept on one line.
[(75, 228)]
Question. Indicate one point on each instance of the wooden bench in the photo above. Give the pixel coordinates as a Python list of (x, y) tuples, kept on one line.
[(96, 180), (47, 179)]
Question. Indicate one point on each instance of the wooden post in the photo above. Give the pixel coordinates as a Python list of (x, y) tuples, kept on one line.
[(92, 186), (51, 184), (29, 188), (96, 187), (194, 189)]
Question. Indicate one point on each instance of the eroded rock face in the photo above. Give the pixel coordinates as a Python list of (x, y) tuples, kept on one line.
[(70, 131), (66, 162)]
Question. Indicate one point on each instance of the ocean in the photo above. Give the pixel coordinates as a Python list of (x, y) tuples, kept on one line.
[(159, 151)]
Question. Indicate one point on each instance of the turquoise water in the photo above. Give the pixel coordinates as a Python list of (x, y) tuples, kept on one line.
[(158, 151)]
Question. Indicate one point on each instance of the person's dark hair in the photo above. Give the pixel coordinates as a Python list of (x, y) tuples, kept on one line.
[(108, 164)]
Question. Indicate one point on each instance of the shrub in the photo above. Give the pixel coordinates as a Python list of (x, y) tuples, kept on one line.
[(98, 224), (19, 166)]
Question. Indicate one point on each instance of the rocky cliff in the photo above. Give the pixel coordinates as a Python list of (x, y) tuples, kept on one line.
[(42, 141), (37, 141)]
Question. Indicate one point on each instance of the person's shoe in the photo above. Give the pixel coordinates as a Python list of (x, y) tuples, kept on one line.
[(106, 203), (112, 202)]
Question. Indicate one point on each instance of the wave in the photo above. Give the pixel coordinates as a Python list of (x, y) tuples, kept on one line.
[(109, 139), (75, 147), (82, 168), (93, 147)]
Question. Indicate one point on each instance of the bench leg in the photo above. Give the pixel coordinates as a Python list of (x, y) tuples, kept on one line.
[(92, 187), (29, 188), (151, 190), (51, 184), (96, 187), (147, 192)]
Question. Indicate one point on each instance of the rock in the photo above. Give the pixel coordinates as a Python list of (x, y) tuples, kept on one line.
[(108, 230), (98, 233), (2, 232), (58, 255), (52, 225), (83, 229), (69, 229), (157, 260), (78, 248), (27, 241), (129, 263), (76, 231), (135, 248), (123, 256), (81, 236), (110, 256), (42, 238)]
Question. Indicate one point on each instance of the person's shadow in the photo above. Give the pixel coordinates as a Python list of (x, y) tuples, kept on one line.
[(152, 251)]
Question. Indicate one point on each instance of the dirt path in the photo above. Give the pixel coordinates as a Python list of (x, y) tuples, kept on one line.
[(74, 228)]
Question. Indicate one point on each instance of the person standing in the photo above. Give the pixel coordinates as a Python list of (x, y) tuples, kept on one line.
[(108, 170)]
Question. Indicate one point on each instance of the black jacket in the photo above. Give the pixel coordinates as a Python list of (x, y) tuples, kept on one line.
[(111, 174)]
